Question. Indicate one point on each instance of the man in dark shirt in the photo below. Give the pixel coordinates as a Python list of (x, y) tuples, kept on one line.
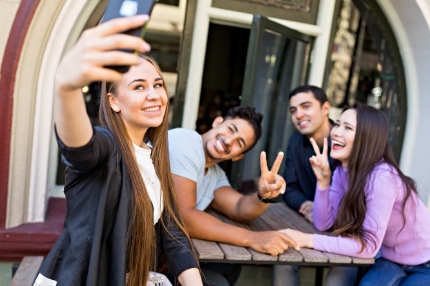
[(309, 109)]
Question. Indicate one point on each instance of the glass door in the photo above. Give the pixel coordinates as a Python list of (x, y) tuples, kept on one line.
[(277, 61)]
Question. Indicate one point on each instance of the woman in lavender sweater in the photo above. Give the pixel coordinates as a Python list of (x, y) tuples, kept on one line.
[(372, 206)]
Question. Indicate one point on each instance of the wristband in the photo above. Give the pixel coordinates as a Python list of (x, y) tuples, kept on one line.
[(265, 200)]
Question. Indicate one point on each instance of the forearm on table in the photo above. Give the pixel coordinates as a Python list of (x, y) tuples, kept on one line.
[(204, 226), (249, 207), (344, 246)]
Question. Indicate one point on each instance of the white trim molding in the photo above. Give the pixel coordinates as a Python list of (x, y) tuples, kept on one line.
[(24, 113), (62, 31)]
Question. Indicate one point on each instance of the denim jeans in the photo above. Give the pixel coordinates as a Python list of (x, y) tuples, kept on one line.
[(288, 275), (387, 273)]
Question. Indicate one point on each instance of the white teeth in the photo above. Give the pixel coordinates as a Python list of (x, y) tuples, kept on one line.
[(302, 123), (152, 108), (338, 143), (220, 146)]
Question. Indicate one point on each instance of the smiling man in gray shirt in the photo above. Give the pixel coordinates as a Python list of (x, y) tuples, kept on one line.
[(199, 182)]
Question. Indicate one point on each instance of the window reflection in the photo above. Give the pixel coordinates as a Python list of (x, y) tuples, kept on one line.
[(362, 65)]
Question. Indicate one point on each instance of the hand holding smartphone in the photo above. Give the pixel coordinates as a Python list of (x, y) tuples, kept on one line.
[(128, 8)]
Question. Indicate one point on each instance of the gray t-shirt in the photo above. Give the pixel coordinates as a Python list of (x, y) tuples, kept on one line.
[(187, 159)]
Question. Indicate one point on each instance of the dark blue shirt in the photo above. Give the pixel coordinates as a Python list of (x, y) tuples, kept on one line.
[(299, 176)]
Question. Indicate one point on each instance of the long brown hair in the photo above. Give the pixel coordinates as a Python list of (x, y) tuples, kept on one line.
[(142, 236), (370, 147)]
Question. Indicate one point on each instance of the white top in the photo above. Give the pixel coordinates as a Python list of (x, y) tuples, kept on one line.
[(187, 159), (152, 183)]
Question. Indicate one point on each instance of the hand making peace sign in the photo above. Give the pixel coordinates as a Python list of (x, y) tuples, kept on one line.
[(321, 165), (271, 184)]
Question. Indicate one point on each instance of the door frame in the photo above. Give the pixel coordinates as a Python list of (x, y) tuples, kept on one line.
[(259, 23), (198, 16)]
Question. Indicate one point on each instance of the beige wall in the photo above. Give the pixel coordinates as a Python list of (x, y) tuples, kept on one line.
[(8, 10)]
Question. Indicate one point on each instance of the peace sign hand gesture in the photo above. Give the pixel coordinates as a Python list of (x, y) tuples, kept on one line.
[(320, 165), (271, 184)]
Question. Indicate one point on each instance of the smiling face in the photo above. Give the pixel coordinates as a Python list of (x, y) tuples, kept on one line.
[(308, 114), (228, 139), (141, 100), (343, 136)]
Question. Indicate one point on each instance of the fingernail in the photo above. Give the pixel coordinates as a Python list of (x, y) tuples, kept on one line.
[(147, 47), (143, 17)]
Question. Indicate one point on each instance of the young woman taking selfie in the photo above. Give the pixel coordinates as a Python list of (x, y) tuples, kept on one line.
[(372, 206), (121, 219)]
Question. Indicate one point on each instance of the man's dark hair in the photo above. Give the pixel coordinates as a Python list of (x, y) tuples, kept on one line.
[(318, 93), (249, 114)]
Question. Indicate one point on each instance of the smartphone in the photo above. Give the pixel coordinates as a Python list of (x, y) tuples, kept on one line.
[(128, 8)]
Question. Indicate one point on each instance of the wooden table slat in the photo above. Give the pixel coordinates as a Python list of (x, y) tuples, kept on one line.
[(27, 271), (233, 252), (259, 256), (276, 220), (357, 260), (256, 256), (312, 255), (277, 216), (291, 255), (293, 218), (207, 249), (259, 224), (338, 258)]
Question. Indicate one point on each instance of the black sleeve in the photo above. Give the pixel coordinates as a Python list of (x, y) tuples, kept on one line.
[(85, 158), (294, 196), (177, 249)]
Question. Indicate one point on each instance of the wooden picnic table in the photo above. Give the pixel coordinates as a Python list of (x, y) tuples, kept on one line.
[(277, 216)]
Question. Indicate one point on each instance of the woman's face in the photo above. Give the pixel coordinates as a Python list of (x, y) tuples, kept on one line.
[(141, 99), (343, 135)]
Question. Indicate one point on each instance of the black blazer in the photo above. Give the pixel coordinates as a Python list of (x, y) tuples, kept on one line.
[(93, 247)]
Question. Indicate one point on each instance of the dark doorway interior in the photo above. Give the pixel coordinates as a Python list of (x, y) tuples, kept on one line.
[(223, 75)]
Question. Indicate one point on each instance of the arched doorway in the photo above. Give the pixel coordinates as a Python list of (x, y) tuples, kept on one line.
[(365, 65)]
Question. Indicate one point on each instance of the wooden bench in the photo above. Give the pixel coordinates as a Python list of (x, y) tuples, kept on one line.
[(27, 271)]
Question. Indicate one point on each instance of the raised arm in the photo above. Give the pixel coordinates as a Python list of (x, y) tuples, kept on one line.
[(327, 201), (246, 208), (85, 63), (204, 226)]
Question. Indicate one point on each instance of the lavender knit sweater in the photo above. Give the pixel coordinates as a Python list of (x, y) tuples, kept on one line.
[(384, 194)]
